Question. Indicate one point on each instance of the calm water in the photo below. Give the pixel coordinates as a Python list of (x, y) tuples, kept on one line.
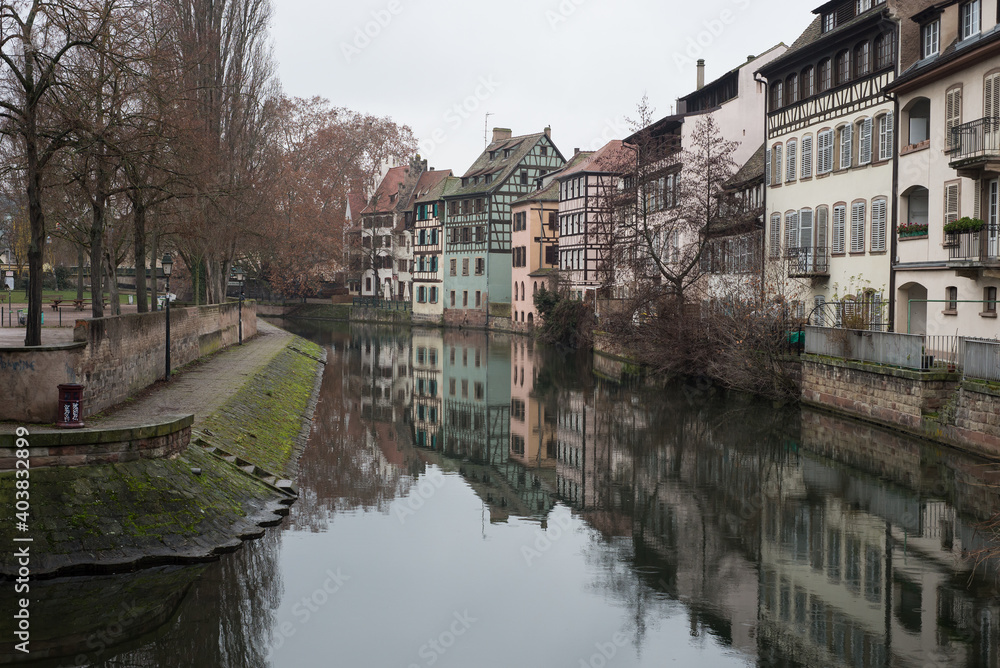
[(471, 500)]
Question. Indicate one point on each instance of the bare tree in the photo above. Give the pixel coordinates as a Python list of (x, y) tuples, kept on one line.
[(36, 36)]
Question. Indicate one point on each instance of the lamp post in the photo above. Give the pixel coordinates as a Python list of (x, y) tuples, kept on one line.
[(168, 265), (240, 277)]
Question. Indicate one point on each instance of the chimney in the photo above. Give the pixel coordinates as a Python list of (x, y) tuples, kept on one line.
[(548, 131), (501, 134), (750, 58), (701, 73), (576, 151)]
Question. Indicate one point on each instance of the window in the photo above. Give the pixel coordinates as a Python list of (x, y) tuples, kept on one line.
[(454, 267), (991, 97), (858, 213), (465, 266), (465, 299), (951, 303), (884, 56), (863, 6), (777, 94), (790, 166), (839, 223), (545, 151), (465, 207), (865, 141), (479, 205), (553, 221), (953, 113), (951, 202), (434, 295), (453, 306), (885, 126), (808, 82), (930, 39), (990, 300), (878, 225), (776, 157), (969, 19), (843, 66), (862, 59), (791, 231), (824, 152), (524, 177), (480, 234), (479, 299), (807, 156), (822, 214), (917, 207), (552, 255), (480, 266), (829, 21), (845, 135), (767, 167), (825, 75), (421, 295), (792, 89), (920, 121)]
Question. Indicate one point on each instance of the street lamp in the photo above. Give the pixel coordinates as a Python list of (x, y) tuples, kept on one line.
[(239, 277), (168, 266)]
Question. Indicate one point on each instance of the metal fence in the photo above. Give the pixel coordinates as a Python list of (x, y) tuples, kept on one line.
[(944, 352), (982, 359), (870, 312), (902, 350), (386, 304)]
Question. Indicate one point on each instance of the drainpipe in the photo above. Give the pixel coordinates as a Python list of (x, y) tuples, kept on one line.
[(893, 238), (763, 200)]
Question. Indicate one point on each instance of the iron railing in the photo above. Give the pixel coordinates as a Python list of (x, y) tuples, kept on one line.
[(890, 348), (386, 304), (808, 261), (975, 139), (982, 359), (867, 312), (974, 246)]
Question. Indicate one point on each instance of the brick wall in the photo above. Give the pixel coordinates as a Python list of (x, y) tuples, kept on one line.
[(465, 317)]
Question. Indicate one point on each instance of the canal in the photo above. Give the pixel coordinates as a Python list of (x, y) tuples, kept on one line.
[(471, 499)]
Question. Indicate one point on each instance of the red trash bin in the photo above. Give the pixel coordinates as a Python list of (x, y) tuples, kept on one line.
[(70, 406)]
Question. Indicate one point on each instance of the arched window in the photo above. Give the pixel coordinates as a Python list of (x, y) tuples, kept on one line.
[(534, 290), (884, 55), (792, 89), (824, 76), (808, 82), (917, 206), (919, 121), (862, 59), (522, 290), (843, 67), (777, 95)]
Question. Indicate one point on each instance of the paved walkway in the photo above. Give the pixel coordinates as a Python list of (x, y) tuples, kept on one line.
[(199, 390)]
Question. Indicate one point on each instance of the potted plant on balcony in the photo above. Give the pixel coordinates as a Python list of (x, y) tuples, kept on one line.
[(964, 224), (913, 230)]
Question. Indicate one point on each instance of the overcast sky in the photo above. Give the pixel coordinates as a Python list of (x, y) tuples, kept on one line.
[(578, 65)]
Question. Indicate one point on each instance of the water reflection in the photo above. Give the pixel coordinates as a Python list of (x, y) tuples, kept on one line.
[(704, 527)]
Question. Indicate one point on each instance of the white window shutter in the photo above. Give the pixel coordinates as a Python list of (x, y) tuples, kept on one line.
[(767, 166), (790, 160), (886, 138), (775, 235), (821, 224), (858, 227), (878, 225), (791, 230), (846, 134), (776, 163), (865, 149), (953, 108), (807, 158), (950, 203), (839, 225)]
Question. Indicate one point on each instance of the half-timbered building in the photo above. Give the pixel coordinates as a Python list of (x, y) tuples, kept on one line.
[(477, 245), (948, 97), (428, 242), (829, 160)]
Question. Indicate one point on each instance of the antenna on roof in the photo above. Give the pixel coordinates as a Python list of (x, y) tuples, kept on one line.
[(486, 125)]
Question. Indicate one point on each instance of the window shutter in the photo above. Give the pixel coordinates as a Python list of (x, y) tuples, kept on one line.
[(950, 203), (839, 225), (885, 137), (791, 231), (775, 235), (865, 150), (807, 157), (976, 203), (846, 134), (767, 166), (805, 229), (953, 109), (858, 227), (825, 153), (776, 158), (991, 96), (790, 160), (878, 224), (821, 223)]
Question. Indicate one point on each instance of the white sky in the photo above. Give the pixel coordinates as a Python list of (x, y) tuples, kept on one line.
[(577, 65)]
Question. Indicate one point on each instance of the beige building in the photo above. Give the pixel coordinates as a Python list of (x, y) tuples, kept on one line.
[(534, 250), (949, 165)]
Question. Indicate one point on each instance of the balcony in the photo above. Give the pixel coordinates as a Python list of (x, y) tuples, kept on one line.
[(975, 147), (971, 252), (808, 262)]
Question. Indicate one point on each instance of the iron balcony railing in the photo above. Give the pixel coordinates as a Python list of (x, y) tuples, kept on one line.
[(808, 261), (975, 139), (981, 246), (387, 304)]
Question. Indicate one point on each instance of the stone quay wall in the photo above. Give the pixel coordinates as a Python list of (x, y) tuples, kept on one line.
[(114, 357)]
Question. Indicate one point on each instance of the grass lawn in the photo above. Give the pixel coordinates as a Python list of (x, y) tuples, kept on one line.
[(69, 294)]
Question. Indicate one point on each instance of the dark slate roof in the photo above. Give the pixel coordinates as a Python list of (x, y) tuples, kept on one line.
[(751, 170), (500, 167), (813, 36), (441, 189), (549, 193), (953, 51), (428, 180)]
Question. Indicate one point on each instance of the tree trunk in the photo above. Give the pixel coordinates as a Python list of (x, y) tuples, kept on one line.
[(139, 233), (114, 303), (33, 332), (79, 271), (97, 259), (152, 267)]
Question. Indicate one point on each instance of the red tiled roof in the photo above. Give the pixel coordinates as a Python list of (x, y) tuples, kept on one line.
[(355, 203), (426, 182), (610, 158), (387, 191)]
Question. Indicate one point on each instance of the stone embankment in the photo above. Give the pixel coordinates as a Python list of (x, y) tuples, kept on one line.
[(251, 408)]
